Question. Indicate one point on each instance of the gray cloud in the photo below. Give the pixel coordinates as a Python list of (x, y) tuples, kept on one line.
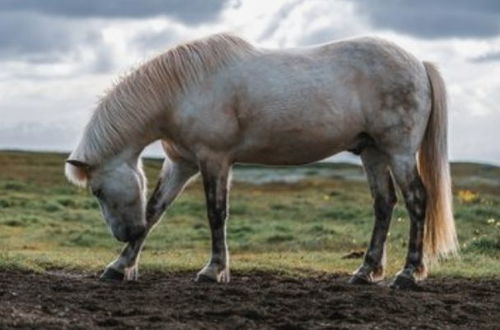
[(36, 38), (28, 34), (278, 18), (49, 31), (158, 40), (302, 23), (192, 11), (488, 57), (434, 18)]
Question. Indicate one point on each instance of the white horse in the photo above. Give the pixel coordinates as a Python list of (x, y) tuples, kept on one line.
[(220, 100)]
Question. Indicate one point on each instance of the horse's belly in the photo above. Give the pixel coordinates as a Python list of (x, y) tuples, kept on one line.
[(295, 145), (280, 156)]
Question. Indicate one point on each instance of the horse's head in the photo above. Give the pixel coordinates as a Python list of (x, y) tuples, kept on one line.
[(120, 189)]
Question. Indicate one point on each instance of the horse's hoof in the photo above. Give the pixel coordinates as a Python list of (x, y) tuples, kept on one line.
[(201, 278), (404, 283), (358, 280), (206, 275), (132, 274), (224, 276), (112, 275)]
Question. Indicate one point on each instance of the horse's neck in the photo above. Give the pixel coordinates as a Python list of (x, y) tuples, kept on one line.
[(130, 137)]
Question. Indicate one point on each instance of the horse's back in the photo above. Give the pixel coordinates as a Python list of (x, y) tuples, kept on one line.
[(353, 75), (318, 100)]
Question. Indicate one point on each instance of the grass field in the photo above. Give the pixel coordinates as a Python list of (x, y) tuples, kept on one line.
[(291, 220)]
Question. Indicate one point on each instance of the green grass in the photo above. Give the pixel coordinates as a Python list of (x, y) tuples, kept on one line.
[(297, 227)]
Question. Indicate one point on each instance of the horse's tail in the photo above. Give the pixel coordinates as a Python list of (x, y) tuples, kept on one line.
[(440, 238)]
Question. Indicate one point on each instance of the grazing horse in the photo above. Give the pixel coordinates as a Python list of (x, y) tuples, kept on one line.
[(218, 101)]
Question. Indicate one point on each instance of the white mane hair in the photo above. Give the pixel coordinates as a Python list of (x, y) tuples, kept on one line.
[(141, 96)]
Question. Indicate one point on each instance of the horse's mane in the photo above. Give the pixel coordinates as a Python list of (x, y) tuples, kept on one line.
[(136, 99)]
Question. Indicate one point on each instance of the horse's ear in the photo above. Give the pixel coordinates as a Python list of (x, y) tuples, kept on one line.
[(79, 172), (77, 163)]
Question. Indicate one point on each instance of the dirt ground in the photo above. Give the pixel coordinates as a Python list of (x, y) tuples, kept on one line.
[(259, 300)]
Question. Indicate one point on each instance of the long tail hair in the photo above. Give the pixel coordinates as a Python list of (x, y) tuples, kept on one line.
[(440, 238)]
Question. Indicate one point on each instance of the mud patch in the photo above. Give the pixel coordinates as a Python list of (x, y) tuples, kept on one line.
[(257, 300)]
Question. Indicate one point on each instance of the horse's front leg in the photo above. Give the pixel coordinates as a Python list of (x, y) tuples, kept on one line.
[(173, 178), (125, 266), (216, 184)]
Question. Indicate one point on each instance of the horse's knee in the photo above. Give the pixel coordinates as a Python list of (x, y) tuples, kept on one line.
[(383, 207), (416, 199)]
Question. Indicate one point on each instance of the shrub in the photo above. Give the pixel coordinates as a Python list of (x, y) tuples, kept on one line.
[(51, 207), (484, 245), (468, 197), (5, 203)]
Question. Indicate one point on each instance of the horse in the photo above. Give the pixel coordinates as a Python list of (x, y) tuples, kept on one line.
[(220, 100)]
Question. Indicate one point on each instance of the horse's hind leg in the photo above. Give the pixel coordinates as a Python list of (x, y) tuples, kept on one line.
[(382, 191), (173, 178), (215, 175), (405, 172)]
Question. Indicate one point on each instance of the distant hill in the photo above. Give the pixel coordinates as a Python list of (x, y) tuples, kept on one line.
[(465, 174)]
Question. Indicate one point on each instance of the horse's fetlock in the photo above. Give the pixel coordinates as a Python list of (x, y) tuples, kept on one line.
[(421, 272)]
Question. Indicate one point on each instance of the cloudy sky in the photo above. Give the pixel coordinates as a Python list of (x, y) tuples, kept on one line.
[(58, 57)]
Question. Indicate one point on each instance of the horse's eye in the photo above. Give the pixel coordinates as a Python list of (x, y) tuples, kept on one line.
[(97, 193)]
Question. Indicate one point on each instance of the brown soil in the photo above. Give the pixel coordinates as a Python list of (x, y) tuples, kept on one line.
[(257, 300)]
